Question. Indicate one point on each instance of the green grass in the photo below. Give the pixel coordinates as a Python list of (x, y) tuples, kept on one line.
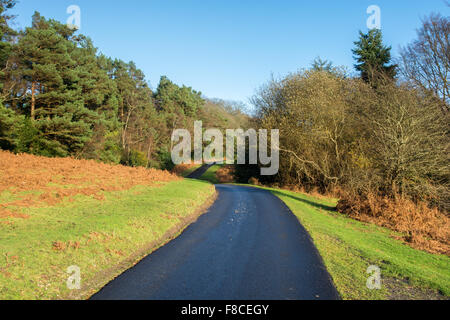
[(211, 174), (108, 233), (349, 247)]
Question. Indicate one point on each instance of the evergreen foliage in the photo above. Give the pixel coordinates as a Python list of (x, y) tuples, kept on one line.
[(60, 97), (373, 57)]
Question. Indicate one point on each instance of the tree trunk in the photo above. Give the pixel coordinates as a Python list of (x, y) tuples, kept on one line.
[(149, 152), (33, 100)]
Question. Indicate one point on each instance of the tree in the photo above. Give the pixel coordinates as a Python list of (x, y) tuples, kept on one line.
[(341, 132), (59, 97), (8, 128), (373, 58), (426, 61), (407, 143), (47, 67), (6, 37), (322, 65), (178, 104), (98, 90), (45, 56), (135, 101), (99, 93), (173, 98), (310, 109), (6, 32)]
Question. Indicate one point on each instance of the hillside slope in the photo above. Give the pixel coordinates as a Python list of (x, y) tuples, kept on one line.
[(59, 213)]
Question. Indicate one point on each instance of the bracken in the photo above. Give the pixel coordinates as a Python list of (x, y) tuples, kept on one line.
[(39, 181), (422, 227)]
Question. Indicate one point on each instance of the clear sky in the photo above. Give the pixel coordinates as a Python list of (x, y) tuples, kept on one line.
[(227, 49)]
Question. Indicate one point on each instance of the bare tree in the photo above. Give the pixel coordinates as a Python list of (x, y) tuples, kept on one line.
[(425, 62), (310, 110), (408, 143)]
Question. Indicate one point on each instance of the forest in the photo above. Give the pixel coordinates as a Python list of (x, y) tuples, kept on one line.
[(60, 97)]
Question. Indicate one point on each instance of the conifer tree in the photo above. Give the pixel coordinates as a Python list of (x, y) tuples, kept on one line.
[(46, 55), (6, 36), (6, 32), (173, 98), (322, 65), (373, 57)]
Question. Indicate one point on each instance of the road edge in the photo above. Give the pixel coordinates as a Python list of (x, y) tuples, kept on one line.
[(99, 281), (310, 238)]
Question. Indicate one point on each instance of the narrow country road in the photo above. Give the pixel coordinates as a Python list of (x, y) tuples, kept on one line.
[(197, 174), (248, 246)]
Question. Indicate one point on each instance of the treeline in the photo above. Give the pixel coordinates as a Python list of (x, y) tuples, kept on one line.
[(383, 133), (60, 97)]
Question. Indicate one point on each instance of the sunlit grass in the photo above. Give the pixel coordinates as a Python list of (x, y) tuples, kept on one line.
[(93, 235), (211, 174), (349, 247)]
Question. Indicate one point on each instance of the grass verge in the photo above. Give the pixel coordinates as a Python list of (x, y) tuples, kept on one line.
[(190, 170), (103, 238), (211, 174), (349, 247), (184, 170)]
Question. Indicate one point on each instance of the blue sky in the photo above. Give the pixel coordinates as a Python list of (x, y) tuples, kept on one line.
[(227, 49)]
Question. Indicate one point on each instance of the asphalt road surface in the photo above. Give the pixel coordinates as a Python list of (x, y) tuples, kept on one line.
[(248, 246), (197, 174)]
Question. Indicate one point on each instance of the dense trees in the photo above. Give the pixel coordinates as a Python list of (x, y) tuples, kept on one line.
[(371, 135), (310, 119), (8, 118), (408, 143), (6, 33), (59, 97), (338, 132), (53, 83), (172, 98)]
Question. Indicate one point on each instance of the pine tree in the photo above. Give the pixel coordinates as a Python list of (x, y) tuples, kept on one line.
[(46, 58), (173, 98), (99, 94), (8, 128), (6, 37), (322, 65), (179, 105), (373, 58), (8, 118), (60, 98), (6, 32)]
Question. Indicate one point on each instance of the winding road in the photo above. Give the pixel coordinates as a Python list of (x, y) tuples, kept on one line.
[(197, 174), (248, 246)]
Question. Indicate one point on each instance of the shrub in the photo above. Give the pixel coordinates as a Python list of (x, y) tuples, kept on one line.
[(421, 227), (253, 181), (137, 159), (165, 160)]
